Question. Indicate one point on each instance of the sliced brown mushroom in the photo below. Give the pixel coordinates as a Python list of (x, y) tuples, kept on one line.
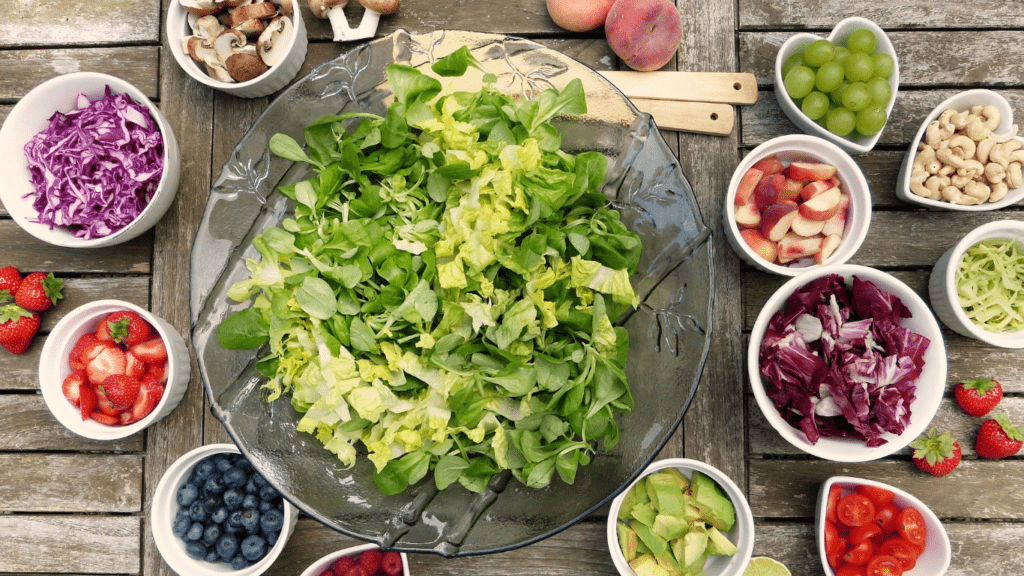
[(259, 11), (251, 28), (321, 8), (381, 6), (286, 6), (201, 50), (229, 42), (272, 45), (244, 67), (201, 7), (207, 27), (233, 3)]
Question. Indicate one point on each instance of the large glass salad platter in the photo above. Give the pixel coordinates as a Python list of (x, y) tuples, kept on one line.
[(669, 330)]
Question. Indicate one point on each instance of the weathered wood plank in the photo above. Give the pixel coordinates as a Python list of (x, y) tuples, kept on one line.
[(60, 23), (789, 488), (765, 440), (26, 69), (26, 424), (70, 483), (25, 252), (70, 544), (765, 120), (823, 15)]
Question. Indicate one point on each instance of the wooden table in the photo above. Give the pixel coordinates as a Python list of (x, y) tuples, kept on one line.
[(73, 506)]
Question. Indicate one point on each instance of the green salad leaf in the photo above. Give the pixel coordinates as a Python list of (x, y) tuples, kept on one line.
[(443, 296)]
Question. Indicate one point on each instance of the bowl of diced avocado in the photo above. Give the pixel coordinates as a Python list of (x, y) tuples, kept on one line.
[(681, 517)]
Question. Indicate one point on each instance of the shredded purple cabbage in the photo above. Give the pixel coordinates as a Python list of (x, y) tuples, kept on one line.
[(838, 362), (95, 168)]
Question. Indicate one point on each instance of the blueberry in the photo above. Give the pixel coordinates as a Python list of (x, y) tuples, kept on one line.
[(196, 512), (265, 506), (195, 532), (251, 487), (272, 538), (181, 524), (196, 550), (204, 469), (254, 547), (239, 562), (187, 494), (233, 498), (235, 477), (211, 503), (246, 466), (211, 534), (222, 463), (227, 546), (220, 515), (251, 502), (251, 521), (259, 480), (214, 485), (268, 493), (234, 520), (272, 521), (211, 555)]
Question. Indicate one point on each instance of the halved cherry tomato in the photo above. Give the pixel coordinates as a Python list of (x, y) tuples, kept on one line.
[(884, 566), (831, 539), (910, 525), (836, 558), (834, 494), (860, 554), (865, 532), (901, 550), (855, 510), (878, 496), (885, 517), (850, 570)]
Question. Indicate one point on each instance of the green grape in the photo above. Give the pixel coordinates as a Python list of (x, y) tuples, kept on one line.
[(841, 53), (815, 105), (858, 67), (863, 41), (870, 120), (799, 82), (828, 77), (836, 96), (792, 62), (819, 52), (883, 64), (856, 97), (840, 121), (880, 91)]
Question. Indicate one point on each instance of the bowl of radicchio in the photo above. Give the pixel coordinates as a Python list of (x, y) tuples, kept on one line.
[(88, 161), (847, 363)]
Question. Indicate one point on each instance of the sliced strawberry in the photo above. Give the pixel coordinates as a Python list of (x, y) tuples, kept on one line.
[(108, 362), (104, 405), (75, 357), (71, 385), (158, 371), (87, 396), (151, 351), (134, 367), (104, 419), (122, 390), (145, 402), (93, 350)]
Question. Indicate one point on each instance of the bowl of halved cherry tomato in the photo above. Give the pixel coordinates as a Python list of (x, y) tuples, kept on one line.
[(867, 528)]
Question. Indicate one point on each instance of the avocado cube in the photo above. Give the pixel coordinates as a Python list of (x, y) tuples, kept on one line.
[(642, 548), (679, 477), (697, 566), (665, 493), (670, 527), (647, 566), (669, 564), (695, 542), (714, 506), (628, 502), (644, 513), (655, 543), (627, 540), (719, 544)]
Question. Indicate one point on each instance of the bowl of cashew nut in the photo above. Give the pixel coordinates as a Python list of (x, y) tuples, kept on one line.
[(966, 156)]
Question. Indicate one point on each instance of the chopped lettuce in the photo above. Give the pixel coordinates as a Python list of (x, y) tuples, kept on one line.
[(444, 296)]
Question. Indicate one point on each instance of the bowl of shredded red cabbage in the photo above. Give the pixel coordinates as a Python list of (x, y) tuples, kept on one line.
[(847, 363), (95, 155)]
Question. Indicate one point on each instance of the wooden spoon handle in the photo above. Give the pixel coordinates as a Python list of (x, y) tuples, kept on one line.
[(724, 87), (700, 117)]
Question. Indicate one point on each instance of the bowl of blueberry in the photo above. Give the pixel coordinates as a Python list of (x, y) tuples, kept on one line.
[(213, 513)]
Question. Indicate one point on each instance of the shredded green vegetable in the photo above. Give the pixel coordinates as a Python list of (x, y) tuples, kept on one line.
[(990, 284)]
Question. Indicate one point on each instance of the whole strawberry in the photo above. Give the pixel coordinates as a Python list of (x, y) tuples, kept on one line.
[(10, 279), (979, 396), (935, 454), (17, 328), (38, 292), (997, 438)]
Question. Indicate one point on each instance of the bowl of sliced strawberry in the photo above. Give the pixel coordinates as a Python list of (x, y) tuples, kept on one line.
[(363, 560), (110, 369)]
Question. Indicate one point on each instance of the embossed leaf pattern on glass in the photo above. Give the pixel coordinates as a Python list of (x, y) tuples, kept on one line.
[(670, 331)]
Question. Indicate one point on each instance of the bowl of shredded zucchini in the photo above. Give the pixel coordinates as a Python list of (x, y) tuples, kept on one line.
[(977, 286), (451, 293)]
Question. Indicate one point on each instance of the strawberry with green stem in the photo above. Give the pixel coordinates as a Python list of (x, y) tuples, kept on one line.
[(10, 279), (17, 328), (979, 396), (997, 438), (936, 454), (38, 292)]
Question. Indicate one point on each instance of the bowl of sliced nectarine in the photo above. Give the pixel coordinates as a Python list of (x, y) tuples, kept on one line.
[(795, 202)]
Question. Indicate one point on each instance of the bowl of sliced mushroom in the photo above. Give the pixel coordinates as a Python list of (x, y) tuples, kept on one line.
[(248, 48), (966, 156)]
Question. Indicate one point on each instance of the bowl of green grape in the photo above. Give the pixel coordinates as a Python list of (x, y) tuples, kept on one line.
[(841, 88)]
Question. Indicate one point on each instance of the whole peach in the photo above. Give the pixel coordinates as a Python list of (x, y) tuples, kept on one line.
[(579, 15), (644, 33)]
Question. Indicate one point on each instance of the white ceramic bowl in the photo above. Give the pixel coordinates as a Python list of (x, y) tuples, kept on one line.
[(931, 384), (31, 115), (852, 142), (274, 79), (960, 102), (742, 533), (803, 147), (317, 568), (54, 368), (935, 559), (165, 507), (942, 285)]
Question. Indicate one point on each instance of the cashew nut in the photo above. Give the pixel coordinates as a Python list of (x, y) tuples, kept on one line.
[(945, 169), (959, 181), (978, 190), (1014, 178), (971, 169), (984, 149), (991, 115), (962, 146), (917, 180), (937, 132), (1000, 153), (976, 129), (999, 190), (952, 194), (946, 155), (994, 172)]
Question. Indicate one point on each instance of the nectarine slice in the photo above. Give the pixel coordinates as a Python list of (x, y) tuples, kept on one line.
[(767, 190), (828, 246), (777, 219), (823, 206), (761, 246), (790, 250), (746, 186), (769, 165), (806, 227), (810, 171), (748, 215)]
